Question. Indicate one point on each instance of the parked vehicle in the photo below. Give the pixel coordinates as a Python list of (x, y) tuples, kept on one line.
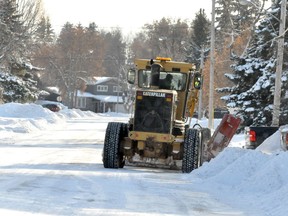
[(52, 107), (218, 113), (255, 135)]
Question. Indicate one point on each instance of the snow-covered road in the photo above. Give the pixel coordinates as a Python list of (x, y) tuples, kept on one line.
[(59, 171)]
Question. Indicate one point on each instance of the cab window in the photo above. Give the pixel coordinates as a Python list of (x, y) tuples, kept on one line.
[(178, 81)]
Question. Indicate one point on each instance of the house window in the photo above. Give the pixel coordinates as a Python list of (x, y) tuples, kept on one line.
[(102, 88), (116, 88), (81, 102)]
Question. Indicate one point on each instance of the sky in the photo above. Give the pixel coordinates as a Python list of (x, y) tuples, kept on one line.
[(51, 164), (128, 15)]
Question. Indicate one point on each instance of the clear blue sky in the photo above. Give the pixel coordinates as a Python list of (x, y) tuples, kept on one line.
[(129, 15)]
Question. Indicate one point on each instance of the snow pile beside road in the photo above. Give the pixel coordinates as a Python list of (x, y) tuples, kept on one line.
[(75, 113), (272, 144), (238, 176), (34, 111), (25, 118), (16, 118)]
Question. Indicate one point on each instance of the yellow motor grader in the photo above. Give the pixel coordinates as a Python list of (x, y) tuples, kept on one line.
[(159, 133)]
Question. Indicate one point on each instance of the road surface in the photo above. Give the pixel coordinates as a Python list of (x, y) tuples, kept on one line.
[(59, 172)]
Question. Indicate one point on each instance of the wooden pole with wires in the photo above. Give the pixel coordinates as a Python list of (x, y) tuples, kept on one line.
[(212, 62), (278, 75)]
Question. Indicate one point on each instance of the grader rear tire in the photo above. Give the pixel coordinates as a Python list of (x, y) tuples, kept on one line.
[(112, 155), (190, 150)]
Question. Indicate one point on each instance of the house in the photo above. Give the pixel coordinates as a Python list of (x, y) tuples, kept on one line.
[(101, 95)]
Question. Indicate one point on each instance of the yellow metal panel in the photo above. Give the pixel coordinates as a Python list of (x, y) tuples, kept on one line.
[(167, 65), (157, 137), (191, 103), (176, 147), (141, 145), (126, 143)]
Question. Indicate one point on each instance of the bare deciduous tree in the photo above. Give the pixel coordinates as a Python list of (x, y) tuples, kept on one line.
[(31, 14)]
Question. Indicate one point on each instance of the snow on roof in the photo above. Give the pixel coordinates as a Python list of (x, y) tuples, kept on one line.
[(103, 98), (54, 89), (84, 94), (99, 80), (109, 98)]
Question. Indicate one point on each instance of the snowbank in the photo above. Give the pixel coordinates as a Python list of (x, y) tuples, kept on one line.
[(26, 118), (17, 110), (16, 118), (249, 178), (272, 144)]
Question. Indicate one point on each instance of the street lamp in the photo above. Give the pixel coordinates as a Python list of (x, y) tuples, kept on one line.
[(278, 74), (212, 62)]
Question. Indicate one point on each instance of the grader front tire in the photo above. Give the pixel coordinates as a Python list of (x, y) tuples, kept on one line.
[(112, 155), (190, 150)]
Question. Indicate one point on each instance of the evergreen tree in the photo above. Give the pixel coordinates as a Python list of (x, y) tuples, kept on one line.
[(96, 48), (18, 89), (232, 18), (199, 38), (254, 75), (165, 37), (11, 46), (45, 32), (115, 55), (16, 76)]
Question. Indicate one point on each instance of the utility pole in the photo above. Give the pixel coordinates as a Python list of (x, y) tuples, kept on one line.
[(212, 62), (277, 91), (118, 89), (201, 91)]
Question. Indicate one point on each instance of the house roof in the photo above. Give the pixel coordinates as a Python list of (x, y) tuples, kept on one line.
[(103, 98)]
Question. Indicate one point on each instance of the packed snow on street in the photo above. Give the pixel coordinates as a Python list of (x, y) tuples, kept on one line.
[(51, 164)]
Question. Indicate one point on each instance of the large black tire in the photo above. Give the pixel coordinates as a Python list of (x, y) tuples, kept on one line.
[(112, 155), (191, 143)]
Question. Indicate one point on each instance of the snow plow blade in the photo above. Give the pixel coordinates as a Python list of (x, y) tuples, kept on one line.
[(168, 163), (222, 136)]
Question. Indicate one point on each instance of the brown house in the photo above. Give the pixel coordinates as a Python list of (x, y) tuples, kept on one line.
[(103, 94)]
